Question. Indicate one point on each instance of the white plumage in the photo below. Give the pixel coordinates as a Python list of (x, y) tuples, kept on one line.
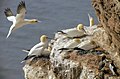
[(18, 20), (74, 32), (72, 43), (38, 49)]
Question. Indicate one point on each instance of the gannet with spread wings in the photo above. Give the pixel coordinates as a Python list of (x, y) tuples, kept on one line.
[(18, 20)]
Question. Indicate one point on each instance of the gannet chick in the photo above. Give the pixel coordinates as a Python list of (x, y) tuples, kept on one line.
[(18, 20), (113, 69), (38, 49), (74, 32), (91, 20)]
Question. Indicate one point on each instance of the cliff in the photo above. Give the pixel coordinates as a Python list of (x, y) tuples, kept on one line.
[(108, 13), (101, 41)]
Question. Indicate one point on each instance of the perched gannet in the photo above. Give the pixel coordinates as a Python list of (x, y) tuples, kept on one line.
[(102, 62), (91, 20), (87, 44), (38, 49), (113, 68), (18, 20), (72, 43), (74, 32)]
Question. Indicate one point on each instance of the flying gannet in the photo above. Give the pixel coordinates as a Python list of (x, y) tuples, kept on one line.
[(91, 20), (18, 20), (74, 32), (38, 49)]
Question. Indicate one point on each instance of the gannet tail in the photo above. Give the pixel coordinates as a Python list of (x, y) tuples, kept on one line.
[(27, 51), (27, 58), (23, 61), (10, 31)]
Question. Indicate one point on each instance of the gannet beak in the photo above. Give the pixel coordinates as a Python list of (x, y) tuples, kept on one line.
[(39, 21), (49, 38)]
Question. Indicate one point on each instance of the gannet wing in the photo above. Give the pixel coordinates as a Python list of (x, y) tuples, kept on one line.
[(9, 14), (21, 11), (36, 51), (36, 47)]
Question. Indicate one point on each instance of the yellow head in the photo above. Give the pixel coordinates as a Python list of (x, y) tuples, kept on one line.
[(80, 27), (43, 38), (76, 40), (33, 21)]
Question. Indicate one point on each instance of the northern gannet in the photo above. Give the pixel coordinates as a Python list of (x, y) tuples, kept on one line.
[(87, 44), (91, 20), (113, 68), (38, 49), (102, 62), (18, 20), (72, 43), (74, 32)]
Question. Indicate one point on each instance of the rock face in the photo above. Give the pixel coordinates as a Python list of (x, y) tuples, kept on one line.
[(83, 60), (108, 13), (37, 69), (72, 64)]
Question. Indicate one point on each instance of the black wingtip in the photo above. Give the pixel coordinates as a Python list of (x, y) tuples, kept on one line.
[(63, 49), (20, 6), (29, 57), (61, 32), (22, 3), (76, 48), (8, 12)]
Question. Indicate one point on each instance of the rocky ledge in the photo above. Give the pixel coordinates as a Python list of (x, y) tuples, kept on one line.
[(97, 56)]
